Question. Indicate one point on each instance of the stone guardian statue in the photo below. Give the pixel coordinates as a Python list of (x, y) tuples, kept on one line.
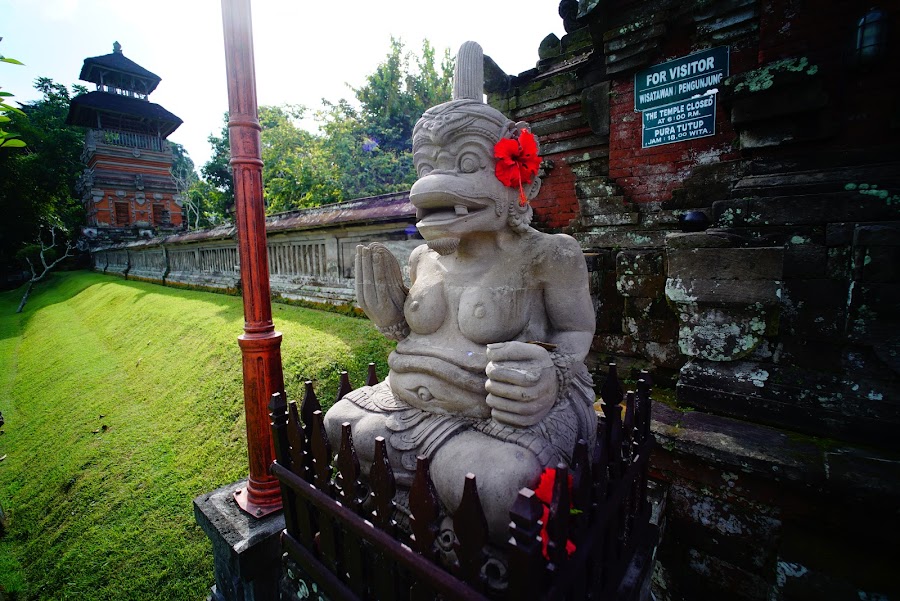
[(488, 376)]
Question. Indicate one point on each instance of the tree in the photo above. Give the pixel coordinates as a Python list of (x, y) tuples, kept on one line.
[(48, 256), (394, 97), (372, 146), (186, 178), (355, 152), (297, 172), (8, 139), (365, 167), (39, 180), (217, 174)]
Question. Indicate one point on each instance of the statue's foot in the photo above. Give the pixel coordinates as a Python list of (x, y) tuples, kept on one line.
[(501, 469)]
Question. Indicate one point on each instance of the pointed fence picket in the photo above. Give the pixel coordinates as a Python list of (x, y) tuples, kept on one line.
[(343, 531)]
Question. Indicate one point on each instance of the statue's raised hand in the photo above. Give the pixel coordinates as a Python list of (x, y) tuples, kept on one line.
[(522, 384), (379, 289)]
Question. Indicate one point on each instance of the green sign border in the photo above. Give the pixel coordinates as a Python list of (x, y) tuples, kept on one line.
[(718, 54), (708, 119)]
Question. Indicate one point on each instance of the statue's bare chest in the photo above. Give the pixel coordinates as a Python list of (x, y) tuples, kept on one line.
[(481, 312)]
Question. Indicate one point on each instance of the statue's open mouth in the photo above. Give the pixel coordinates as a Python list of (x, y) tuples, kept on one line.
[(441, 214), (441, 208)]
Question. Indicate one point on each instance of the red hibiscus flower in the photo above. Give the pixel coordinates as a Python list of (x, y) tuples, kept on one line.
[(517, 162), (544, 492)]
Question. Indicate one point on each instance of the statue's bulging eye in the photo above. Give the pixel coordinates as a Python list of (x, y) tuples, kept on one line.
[(469, 162)]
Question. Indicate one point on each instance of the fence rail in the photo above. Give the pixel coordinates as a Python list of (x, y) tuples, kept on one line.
[(342, 530)]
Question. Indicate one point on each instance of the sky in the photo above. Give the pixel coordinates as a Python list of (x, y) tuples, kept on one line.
[(304, 50)]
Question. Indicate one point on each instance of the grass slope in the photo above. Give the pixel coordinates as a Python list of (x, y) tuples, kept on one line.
[(105, 513)]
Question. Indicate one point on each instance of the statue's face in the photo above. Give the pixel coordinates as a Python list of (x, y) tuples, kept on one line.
[(457, 192)]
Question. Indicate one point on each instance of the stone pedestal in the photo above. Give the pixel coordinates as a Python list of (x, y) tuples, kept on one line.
[(246, 550)]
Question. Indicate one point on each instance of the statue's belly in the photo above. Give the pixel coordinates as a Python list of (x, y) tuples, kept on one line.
[(439, 379), (437, 395)]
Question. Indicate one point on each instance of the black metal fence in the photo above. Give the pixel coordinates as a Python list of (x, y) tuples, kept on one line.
[(343, 532)]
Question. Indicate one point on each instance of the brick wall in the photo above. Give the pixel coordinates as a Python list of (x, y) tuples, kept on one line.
[(778, 324)]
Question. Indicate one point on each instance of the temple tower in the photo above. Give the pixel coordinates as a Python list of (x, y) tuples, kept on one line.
[(127, 188)]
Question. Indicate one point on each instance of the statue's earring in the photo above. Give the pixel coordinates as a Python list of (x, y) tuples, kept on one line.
[(532, 189)]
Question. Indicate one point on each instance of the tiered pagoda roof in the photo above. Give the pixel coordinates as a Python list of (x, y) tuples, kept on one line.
[(120, 101)]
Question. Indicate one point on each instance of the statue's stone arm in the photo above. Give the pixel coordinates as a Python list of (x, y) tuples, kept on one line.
[(567, 299), (380, 291), (525, 380)]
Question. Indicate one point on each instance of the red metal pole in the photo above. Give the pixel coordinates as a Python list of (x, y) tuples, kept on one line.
[(260, 344)]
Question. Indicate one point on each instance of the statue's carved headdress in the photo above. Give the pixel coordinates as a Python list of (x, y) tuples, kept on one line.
[(468, 115)]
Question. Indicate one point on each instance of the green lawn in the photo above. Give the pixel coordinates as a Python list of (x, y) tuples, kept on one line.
[(123, 402)]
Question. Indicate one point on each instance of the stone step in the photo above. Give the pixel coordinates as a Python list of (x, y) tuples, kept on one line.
[(860, 204), (885, 176)]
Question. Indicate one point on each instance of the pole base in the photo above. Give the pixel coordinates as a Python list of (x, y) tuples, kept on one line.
[(258, 503)]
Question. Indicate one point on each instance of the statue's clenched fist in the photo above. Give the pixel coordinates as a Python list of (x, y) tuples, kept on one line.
[(522, 384)]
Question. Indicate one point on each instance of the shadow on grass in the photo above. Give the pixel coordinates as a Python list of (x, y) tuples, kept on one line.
[(57, 288)]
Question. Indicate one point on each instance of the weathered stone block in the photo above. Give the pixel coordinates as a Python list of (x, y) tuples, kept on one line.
[(883, 234), (882, 299), (799, 351), (548, 89), (721, 335), (878, 264), (594, 163), (605, 219), (730, 213), (651, 330), (805, 261), (722, 292), (815, 308), (595, 187), (784, 235), (858, 470), (631, 262), (838, 266), (520, 113), (726, 263), (616, 344), (610, 304), (549, 47), (821, 561), (576, 40), (811, 209), (557, 123), (663, 354), (595, 106), (664, 219), (706, 184), (601, 205), (833, 405), (246, 550), (710, 578), (570, 144), (742, 535), (838, 234), (707, 239), (614, 236), (638, 307)]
